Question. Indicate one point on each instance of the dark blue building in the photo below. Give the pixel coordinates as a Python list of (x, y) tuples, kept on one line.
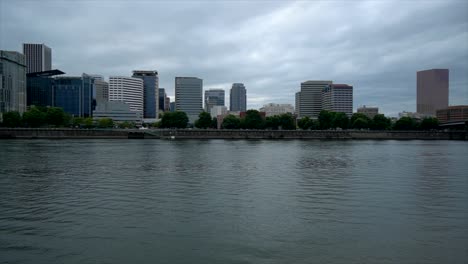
[(162, 99), (75, 95), (150, 92), (40, 88)]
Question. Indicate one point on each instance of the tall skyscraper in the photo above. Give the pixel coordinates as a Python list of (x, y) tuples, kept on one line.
[(338, 98), (74, 95), (298, 104), (12, 82), (162, 99), (213, 97), (38, 57), (432, 91), (151, 93), (128, 90), (310, 103), (238, 98), (189, 96)]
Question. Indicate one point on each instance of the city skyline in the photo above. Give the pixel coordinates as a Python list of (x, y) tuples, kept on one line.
[(261, 44)]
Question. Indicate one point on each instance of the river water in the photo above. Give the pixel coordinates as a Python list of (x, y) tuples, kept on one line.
[(222, 201)]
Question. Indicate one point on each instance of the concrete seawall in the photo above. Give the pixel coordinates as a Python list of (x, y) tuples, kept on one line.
[(63, 133)]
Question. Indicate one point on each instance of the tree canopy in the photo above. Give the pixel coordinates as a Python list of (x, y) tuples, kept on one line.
[(174, 120), (204, 120), (231, 122)]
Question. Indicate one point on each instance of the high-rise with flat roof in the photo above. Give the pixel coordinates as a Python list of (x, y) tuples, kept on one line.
[(150, 92), (432, 91), (128, 90), (74, 95), (101, 89), (310, 99), (213, 97), (238, 98), (12, 82), (338, 98), (38, 57), (189, 96)]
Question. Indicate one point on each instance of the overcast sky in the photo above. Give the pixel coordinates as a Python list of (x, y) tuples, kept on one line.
[(271, 46)]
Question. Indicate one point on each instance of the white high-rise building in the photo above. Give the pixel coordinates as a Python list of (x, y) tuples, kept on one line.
[(38, 57), (338, 98), (277, 109), (128, 90), (310, 99), (189, 96)]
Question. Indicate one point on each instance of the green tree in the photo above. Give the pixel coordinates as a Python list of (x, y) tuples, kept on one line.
[(253, 120), (360, 123), (340, 120), (11, 119), (204, 120), (272, 122), (88, 122), (34, 117), (429, 123), (405, 123), (366, 121), (325, 119), (55, 116), (126, 124), (306, 123), (380, 122), (174, 120), (286, 121), (105, 123), (77, 121), (214, 122), (231, 122)]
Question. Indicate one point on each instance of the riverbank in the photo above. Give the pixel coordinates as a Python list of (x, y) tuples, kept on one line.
[(64, 133)]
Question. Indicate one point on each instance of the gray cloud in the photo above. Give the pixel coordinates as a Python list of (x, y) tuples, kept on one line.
[(272, 47)]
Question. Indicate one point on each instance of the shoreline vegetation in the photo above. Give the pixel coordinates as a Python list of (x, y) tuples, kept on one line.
[(53, 122), (177, 134)]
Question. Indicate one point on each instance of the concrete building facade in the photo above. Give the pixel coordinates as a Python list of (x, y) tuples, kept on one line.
[(277, 109), (432, 91), (214, 97), (298, 104), (189, 96), (218, 110), (38, 57), (238, 98), (453, 114), (118, 111), (128, 90), (101, 89), (338, 98), (369, 111), (150, 92), (12, 82), (310, 99)]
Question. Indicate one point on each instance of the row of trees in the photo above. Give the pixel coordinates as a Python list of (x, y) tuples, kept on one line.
[(56, 117), (334, 120)]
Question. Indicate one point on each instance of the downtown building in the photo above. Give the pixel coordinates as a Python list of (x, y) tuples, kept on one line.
[(38, 57), (369, 111), (238, 98), (189, 96), (277, 109), (338, 98), (162, 100), (12, 82), (213, 97), (40, 87), (309, 99), (150, 92), (74, 95), (128, 90), (432, 91)]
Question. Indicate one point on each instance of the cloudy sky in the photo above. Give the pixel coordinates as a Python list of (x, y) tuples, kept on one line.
[(271, 46)]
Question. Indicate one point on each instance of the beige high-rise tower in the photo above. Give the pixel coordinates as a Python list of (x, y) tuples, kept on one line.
[(432, 91)]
